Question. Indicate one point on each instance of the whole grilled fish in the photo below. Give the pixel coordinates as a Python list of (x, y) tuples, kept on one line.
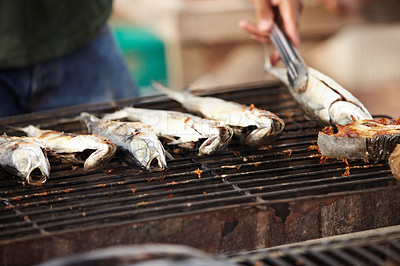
[(253, 126), (323, 99), (179, 128), (137, 140), (25, 158), (72, 147)]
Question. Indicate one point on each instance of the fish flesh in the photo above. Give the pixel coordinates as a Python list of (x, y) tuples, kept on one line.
[(369, 140), (24, 157), (323, 99), (137, 140), (177, 128), (253, 126), (91, 150)]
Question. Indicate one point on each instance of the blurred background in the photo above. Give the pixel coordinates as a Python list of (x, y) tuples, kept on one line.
[(197, 43)]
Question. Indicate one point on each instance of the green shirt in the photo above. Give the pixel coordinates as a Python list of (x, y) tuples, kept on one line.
[(33, 31)]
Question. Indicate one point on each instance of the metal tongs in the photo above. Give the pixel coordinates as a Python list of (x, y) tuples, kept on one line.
[(296, 67)]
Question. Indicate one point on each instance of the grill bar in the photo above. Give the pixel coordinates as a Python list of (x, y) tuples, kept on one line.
[(374, 247)]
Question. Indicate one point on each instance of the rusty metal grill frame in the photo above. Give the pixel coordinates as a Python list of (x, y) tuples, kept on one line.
[(238, 187), (374, 247)]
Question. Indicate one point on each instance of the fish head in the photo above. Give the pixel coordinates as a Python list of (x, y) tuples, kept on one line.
[(31, 163), (267, 133), (343, 113), (216, 142), (89, 120), (146, 150)]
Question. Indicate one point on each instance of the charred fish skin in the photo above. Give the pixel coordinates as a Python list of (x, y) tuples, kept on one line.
[(369, 140), (21, 156), (179, 128), (264, 126), (65, 146), (324, 99), (136, 139)]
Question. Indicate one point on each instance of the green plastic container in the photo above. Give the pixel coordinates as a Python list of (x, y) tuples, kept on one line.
[(144, 54)]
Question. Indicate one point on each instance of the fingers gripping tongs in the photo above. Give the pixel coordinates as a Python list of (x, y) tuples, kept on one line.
[(296, 68)]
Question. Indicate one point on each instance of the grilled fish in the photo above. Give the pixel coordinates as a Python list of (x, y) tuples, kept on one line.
[(253, 126), (368, 140), (137, 140), (323, 99), (25, 158), (179, 128), (394, 162), (72, 147)]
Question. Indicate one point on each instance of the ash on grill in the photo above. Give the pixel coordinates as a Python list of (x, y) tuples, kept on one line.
[(242, 198)]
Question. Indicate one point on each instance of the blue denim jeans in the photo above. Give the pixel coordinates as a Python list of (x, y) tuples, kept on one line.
[(96, 72)]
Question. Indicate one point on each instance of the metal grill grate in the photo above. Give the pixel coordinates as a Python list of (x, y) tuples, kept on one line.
[(225, 194), (377, 247)]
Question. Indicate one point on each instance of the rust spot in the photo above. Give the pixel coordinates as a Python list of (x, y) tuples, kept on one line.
[(253, 157), (266, 148), (255, 164), (8, 208), (236, 153), (245, 159), (133, 190), (75, 167), (26, 218), (18, 198), (83, 214), (68, 190), (109, 171), (170, 196), (287, 152), (51, 206), (101, 185), (40, 194), (198, 172)]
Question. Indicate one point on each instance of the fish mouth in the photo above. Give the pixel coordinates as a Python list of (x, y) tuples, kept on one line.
[(36, 176), (156, 163)]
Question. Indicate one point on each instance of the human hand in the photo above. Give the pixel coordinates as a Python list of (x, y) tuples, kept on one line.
[(289, 11)]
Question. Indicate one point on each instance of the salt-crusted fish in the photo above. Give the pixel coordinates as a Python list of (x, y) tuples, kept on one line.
[(323, 99), (137, 140), (91, 150), (253, 126), (368, 140), (178, 128), (25, 158)]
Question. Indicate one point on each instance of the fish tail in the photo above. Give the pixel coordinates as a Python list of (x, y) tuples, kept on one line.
[(178, 96)]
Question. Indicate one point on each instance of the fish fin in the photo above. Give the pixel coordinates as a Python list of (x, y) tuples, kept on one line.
[(169, 156), (26, 130)]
